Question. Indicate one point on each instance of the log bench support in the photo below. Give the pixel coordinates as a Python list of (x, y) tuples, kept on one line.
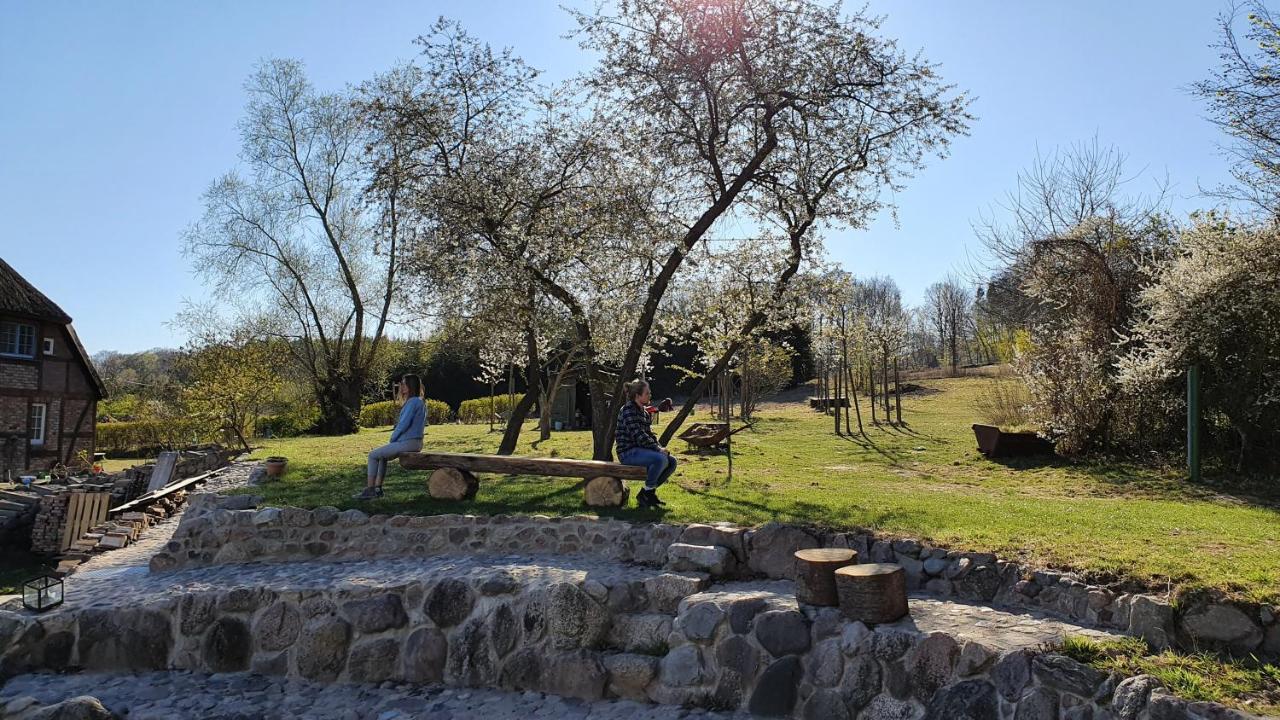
[(453, 474)]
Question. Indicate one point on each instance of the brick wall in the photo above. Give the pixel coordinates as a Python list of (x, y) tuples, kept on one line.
[(17, 375)]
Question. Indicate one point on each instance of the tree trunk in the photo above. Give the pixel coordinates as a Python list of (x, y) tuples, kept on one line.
[(871, 376), (511, 435), (340, 407), (835, 400), (602, 421), (897, 391), (857, 410), (884, 386), (544, 417)]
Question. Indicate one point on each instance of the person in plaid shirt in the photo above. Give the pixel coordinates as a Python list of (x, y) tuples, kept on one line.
[(637, 445)]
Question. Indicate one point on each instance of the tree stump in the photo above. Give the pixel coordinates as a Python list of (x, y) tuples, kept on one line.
[(873, 593), (452, 484), (816, 574), (605, 491)]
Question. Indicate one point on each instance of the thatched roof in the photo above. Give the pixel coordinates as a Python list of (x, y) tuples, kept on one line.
[(19, 297)]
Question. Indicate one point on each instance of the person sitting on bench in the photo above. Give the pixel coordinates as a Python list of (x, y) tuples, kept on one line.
[(406, 437), (637, 445)]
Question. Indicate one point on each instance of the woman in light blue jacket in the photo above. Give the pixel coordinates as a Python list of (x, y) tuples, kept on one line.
[(406, 437)]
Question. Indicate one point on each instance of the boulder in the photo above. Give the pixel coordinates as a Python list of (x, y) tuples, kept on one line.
[(1223, 626), (449, 602), (967, 700), (373, 661), (124, 639), (277, 627), (424, 655), (682, 667), (713, 559), (1063, 673), (884, 707), (932, 663), (322, 648), (629, 674), (776, 690), (1039, 704), (1149, 619), (699, 622), (738, 655), (862, 681), (1131, 696), (773, 547), (826, 704), (665, 591), (782, 632), (1011, 674), (642, 633), (228, 646), (574, 618), (375, 614)]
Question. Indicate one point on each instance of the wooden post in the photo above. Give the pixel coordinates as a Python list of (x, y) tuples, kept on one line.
[(872, 593), (816, 574)]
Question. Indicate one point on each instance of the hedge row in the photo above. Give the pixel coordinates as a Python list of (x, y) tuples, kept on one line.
[(123, 437), (387, 412), (476, 411)]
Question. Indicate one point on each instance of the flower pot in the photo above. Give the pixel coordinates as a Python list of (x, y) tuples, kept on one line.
[(275, 466)]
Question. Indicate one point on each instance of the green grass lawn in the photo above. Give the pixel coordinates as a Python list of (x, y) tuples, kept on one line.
[(1112, 521)]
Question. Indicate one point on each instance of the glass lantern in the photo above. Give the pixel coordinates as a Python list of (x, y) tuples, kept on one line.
[(42, 593)]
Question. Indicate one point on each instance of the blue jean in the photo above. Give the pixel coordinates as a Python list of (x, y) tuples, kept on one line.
[(657, 464), (378, 457)]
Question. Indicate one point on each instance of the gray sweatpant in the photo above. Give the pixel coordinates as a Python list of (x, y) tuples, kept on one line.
[(378, 457)]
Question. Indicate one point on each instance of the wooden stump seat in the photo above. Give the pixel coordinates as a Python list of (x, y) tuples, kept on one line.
[(816, 574), (873, 593), (453, 477)]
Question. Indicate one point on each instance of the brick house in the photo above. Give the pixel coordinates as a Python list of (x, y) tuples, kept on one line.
[(49, 389)]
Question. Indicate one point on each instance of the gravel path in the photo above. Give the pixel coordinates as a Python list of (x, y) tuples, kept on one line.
[(241, 696)]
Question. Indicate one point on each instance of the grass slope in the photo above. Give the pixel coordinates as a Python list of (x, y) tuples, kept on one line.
[(1110, 520)]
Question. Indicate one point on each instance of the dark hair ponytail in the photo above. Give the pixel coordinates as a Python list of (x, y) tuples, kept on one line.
[(415, 385), (634, 388)]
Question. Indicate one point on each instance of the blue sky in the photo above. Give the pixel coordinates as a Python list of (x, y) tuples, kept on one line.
[(117, 115)]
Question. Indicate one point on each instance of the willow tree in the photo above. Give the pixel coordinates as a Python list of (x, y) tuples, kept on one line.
[(304, 234)]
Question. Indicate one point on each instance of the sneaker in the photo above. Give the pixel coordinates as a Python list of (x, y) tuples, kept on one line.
[(369, 493), (643, 501), (647, 498)]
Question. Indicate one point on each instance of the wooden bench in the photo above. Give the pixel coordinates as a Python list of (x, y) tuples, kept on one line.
[(453, 477)]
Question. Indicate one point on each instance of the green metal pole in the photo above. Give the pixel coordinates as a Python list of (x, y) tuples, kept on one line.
[(1193, 422)]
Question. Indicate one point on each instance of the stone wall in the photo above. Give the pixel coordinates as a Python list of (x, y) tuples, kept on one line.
[(652, 636), (214, 535)]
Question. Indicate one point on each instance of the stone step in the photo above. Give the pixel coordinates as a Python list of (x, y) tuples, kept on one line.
[(570, 626)]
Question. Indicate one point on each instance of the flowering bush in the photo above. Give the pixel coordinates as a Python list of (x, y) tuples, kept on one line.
[(1216, 303)]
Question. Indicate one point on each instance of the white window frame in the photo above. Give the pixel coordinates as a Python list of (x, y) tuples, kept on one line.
[(38, 431), (17, 336), (48, 346)]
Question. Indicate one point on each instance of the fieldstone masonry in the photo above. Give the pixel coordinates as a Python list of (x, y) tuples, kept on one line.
[(582, 608), (213, 535)]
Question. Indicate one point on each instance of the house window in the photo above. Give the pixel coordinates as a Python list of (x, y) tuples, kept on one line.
[(37, 423), (48, 346), (17, 339)]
